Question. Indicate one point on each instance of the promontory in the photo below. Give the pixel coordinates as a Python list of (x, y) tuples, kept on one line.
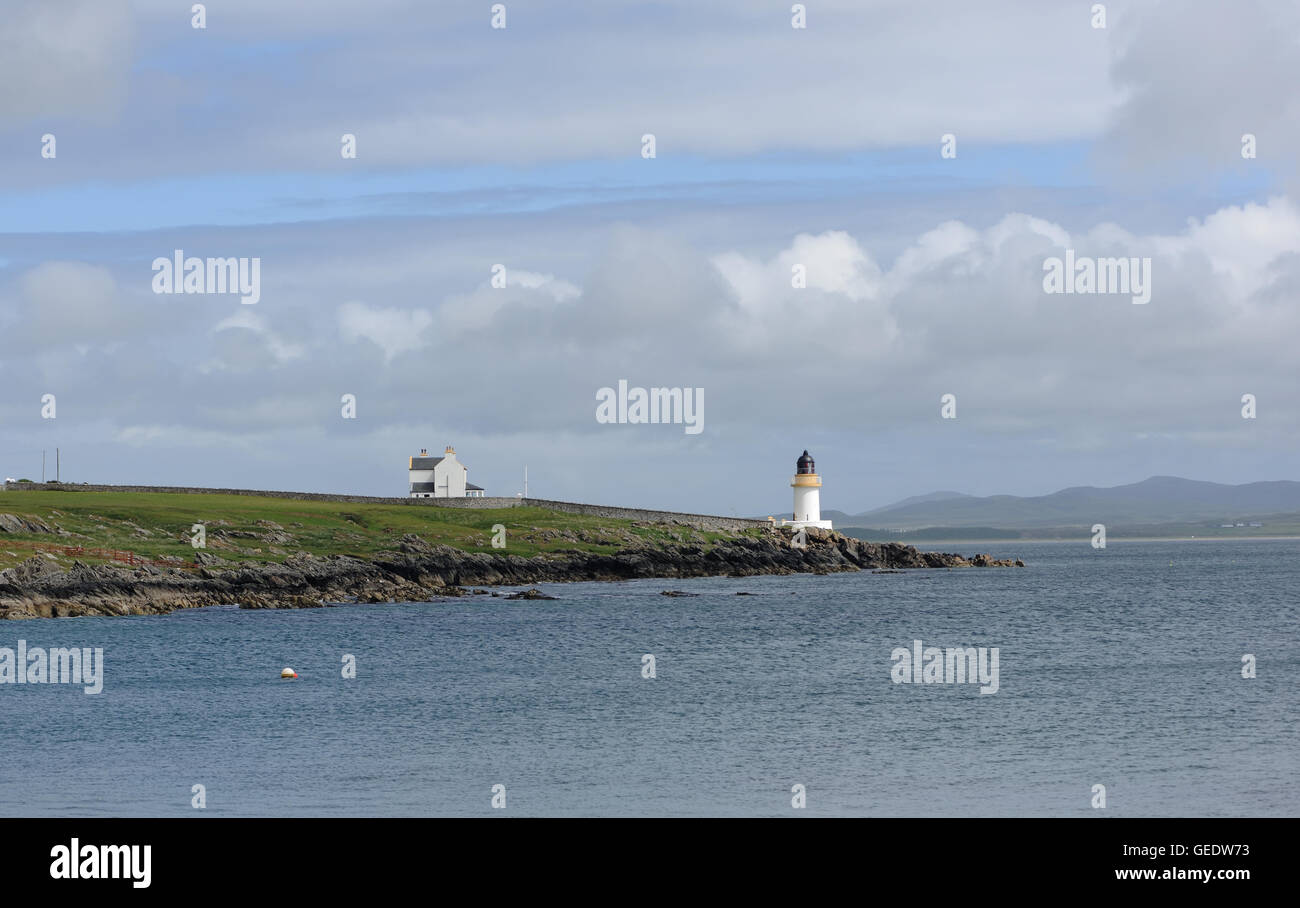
[(72, 552)]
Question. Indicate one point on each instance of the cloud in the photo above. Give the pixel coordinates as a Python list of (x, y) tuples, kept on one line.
[(64, 304), (671, 272), (963, 311), (858, 76), (728, 80), (1241, 242), (873, 339), (394, 331), (841, 299), (474, 315), (247, 319), (885, 325), (1196, 76), (63, 57)]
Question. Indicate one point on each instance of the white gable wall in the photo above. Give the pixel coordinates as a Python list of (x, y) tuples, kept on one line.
[(450, 475)]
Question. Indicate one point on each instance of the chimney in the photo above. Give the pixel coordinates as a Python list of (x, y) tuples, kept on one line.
[(424, 452), (450, 450)]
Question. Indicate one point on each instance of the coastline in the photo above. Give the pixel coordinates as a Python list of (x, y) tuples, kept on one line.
[(417, 571)]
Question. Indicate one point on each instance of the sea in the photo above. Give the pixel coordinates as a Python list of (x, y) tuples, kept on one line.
[(1120, 692)]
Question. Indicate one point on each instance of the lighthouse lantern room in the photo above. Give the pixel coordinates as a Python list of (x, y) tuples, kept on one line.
[(807, 495)]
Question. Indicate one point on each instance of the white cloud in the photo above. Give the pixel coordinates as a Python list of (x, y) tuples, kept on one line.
[(65, 303), (882, 329), (733, 79), (774, 318), (473, 313), (63, 57), (860, 76), (558, 290), (1194, 77), (1241, 241), (245, 318), (394, 331), (964, 310)]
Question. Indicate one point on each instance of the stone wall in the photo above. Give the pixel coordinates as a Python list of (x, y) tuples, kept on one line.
[(698, 521)]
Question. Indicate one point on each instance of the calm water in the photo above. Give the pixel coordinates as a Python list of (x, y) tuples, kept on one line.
[(1119, 667)]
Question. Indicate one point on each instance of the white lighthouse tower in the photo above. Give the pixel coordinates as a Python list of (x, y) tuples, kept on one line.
[(807, 495)]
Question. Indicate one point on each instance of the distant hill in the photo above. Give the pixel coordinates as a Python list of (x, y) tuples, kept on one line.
[(854, 519), (923, 499), (1158, 500), (945, 533), (837, 516)]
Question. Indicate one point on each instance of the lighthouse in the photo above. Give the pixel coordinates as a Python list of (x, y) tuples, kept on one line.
[(807, 495)]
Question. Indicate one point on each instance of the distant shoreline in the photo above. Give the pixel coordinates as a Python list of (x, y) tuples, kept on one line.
[(86, 552)]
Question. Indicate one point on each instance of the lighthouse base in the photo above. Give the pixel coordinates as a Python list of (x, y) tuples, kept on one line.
[(819, 524)]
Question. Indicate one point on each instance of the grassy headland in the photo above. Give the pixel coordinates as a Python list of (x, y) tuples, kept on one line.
[(157, 525), (93, 552)]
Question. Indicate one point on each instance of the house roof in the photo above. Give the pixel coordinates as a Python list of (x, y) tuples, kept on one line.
[(425, 463), (470, 485)]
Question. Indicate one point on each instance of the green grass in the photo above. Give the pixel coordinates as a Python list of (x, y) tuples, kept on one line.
[(157, 525)]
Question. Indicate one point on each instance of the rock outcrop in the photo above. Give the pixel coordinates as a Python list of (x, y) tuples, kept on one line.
[(531, 593), (12, 523), (418, 571)]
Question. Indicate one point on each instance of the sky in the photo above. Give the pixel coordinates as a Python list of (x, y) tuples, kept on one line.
[(777, 150)]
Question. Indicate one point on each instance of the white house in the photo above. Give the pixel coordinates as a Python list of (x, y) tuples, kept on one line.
[(441, 477)]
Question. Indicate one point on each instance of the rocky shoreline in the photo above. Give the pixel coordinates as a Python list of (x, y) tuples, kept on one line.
[(416, 571)]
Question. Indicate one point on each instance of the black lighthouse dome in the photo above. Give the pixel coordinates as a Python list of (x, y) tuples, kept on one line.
[(804, 464)]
